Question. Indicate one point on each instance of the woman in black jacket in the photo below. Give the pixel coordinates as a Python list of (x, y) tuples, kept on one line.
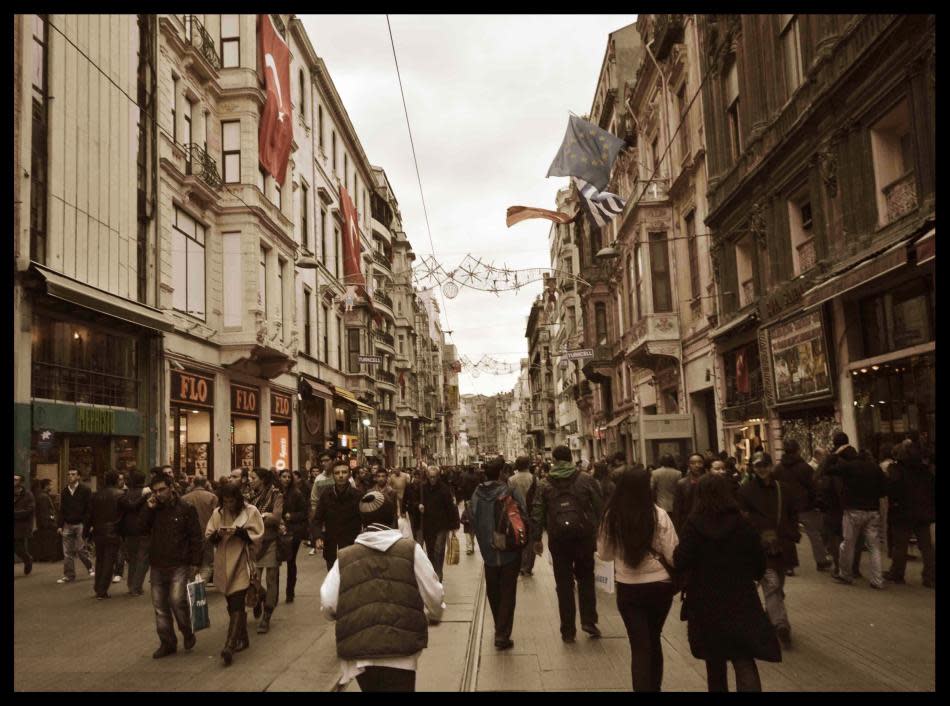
[(723, 556), (296, 508)]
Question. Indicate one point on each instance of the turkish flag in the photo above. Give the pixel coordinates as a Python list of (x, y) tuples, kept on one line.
[(276, 129), (352, 249)]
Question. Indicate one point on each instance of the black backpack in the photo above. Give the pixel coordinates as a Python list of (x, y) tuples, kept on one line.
[(567, 518)]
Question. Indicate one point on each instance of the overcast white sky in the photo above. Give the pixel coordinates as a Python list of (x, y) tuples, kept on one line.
[(488, 99)]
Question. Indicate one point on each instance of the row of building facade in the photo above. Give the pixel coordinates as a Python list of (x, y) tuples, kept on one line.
[(772, 274), (172, 301)]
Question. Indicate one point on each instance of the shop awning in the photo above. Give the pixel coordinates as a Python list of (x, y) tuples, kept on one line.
[(314, 388), (733, 325), (350, 397), (616, 420), (856, 275), (84, 295), (926, 247)]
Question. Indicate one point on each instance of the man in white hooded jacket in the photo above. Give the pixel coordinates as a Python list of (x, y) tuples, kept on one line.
[(393, 576)]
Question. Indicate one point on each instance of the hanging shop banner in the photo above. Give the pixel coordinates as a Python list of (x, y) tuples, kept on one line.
[(280, 446), (245, 400), (280, 405), (799, 358), (192, 389)]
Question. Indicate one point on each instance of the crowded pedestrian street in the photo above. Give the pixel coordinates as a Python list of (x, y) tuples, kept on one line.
[(848, 639), (473, 353)]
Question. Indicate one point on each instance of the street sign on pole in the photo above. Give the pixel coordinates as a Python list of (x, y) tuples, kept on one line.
[(577, 354), (371, 359)]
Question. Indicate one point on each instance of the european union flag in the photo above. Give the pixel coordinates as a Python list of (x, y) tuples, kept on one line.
[(587, 153)]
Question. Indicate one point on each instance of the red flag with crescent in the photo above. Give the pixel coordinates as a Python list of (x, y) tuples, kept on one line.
[(276, 129)]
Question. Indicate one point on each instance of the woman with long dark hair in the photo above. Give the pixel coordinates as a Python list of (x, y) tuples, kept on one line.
[(235, 529), (724, 558), (264, 494), (639, 537), (294, 524)]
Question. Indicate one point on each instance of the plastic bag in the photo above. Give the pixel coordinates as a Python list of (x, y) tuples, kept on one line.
[(603, 574), (452, 551), (198, 605), (405, 526)]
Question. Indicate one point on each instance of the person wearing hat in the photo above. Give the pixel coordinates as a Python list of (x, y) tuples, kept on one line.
[(770, 507), (382, 592)]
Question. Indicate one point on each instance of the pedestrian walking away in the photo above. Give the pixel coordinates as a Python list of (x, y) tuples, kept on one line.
[(104, 519), (176, 545), (24, 521), (798, 478), (467, 485), (723, 556), (525, 481), (766, 505), (439, 515), (568, 506), (235, 530), (501, 566), (294, 526), (638, 537), (132, 505), (75, 506), (264, 494), (204, 502), (912, 493), (383, 593)]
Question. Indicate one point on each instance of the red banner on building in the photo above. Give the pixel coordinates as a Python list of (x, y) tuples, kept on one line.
[(276, 128), (351, 241)]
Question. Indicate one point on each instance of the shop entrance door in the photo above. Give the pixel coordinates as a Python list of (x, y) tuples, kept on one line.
[(91, 455)]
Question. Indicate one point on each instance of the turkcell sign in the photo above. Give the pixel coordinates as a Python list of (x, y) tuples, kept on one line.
[(577, 354), (372, 359)]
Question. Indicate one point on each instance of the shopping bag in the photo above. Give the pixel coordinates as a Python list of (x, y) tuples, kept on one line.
[(198, 605), (405, 526), (603, 574), (453, 551)]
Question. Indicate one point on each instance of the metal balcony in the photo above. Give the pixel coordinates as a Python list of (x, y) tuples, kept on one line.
[(198, 37), (381, 259), (667, 31), (383, 298), (200, 164)]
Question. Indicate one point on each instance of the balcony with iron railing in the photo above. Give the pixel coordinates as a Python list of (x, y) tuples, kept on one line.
[(381, 259), (385, 376), (203, 53), (382, 298), (386, 416), (900, 196), (201, 165), (668, 29), (384, 338)]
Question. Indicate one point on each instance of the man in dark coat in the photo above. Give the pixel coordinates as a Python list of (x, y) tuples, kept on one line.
[(46, 543), (336, 521), (798, 477), (863, 486), (685, 487), (24, 506), (569, 493), (439, 515), (132, 505), (204, 502), (912, 493), (467, 484), (175, 547), (770, 509), (105, 517)]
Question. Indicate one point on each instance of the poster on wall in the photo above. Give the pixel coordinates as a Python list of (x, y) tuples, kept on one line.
[(196, 459), (799, 358), (280, 446), (246, 455)]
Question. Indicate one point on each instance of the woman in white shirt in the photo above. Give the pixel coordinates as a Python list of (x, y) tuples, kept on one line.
[(634, 534)]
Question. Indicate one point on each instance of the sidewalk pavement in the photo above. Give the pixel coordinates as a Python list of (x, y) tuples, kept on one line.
[(65, 640), (844, 638)]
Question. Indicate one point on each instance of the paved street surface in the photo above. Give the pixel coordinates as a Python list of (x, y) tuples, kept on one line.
[(845, 638)]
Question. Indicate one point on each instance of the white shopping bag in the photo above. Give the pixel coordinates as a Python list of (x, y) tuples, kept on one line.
[(603, 574), (405, 527)]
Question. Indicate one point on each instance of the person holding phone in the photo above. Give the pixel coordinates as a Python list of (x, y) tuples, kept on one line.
[(235, 529)]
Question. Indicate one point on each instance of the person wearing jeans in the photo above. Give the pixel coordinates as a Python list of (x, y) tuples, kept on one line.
[(133, 507), (641, 551), (175, 549), (858, 526), (439, 514), (295, 524), (75, 506)]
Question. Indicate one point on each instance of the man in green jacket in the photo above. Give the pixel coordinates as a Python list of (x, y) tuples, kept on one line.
[(568, 505)]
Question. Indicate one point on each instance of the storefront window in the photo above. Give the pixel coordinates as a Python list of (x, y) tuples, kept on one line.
[(192, 442), (893, 399), (74, 362), (743, 375), (897, 319), (243, 442)]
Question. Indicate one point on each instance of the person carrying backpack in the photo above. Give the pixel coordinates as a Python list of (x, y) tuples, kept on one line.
[(568, 505), (525, 481), (501, 541)]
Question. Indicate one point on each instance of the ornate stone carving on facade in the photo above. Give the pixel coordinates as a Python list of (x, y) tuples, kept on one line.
[(260, 325), (828, 168), (758, 224)]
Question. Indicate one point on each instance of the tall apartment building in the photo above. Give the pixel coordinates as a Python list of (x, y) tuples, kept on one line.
[(182, 305), (821, 200), (542, 417)]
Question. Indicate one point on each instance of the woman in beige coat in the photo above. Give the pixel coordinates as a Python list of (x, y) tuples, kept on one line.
[(235, 529)]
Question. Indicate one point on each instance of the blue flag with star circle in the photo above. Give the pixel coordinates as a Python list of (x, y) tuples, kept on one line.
[(588, 152)]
